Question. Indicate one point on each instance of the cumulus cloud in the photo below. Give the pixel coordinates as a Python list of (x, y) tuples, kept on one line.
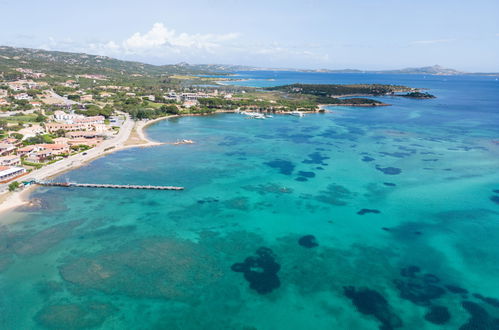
[(161, 44), (160, 36)]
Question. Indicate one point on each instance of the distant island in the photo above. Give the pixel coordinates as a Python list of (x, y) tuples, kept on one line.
[(418, 95), (348, 95)]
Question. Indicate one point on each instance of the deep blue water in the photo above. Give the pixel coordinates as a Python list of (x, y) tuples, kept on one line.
[(402, 203)]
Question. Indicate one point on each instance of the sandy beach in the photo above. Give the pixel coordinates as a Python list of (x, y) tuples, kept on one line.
[(131, 135)]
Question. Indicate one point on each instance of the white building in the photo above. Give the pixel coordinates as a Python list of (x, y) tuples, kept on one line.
[(9, 173), (22, 96)]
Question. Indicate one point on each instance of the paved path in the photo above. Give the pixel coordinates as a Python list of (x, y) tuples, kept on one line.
[(79, 159)]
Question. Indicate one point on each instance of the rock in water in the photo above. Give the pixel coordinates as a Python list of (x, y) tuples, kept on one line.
[(308, 241)]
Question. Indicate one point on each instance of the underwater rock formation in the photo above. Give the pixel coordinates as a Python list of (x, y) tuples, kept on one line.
[(389, 170), (456, 289), (364, 211), (334, 195), (491, 301), (284, 166), (75, 316), (438, 315), (480, 318), (308, 241), (370, 302), (260, 271), (419, 289), (168, 268), (315, 158), (306, 174), (495, 199)]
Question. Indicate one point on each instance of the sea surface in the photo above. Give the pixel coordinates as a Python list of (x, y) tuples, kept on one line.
[(360, 218)]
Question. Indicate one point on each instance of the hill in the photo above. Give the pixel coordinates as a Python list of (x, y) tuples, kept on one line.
[(59, 63)]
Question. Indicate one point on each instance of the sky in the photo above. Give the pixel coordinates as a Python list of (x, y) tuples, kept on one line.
[(308, 34)]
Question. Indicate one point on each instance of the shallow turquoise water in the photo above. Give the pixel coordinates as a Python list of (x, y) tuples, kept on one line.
[(152, 259)]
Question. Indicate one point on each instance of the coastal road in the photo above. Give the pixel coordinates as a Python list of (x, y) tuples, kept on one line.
[(74, 161)]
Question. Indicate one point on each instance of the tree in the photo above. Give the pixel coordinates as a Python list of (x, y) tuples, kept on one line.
[(17, 136), (40, 118), (60, 133), (13, 186)]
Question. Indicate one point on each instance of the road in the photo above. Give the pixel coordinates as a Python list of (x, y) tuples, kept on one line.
[(79, 159)]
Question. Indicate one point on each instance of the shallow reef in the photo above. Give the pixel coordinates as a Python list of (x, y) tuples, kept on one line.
[(438, 315), (479, 318), (284, 166), (365, 211), (335, 195), (260, 271), (84, 315), (389, 170), (315, 158), (371, 302), (308, 241), (417, 288)]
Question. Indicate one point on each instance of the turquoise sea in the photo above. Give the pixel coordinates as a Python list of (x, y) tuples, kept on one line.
[(361, 218)]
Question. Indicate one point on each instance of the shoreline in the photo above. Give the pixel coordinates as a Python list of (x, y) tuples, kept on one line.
[(131, 135)]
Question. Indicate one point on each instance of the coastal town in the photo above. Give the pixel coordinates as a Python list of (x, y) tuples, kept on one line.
[(60, 110), (59, 125)]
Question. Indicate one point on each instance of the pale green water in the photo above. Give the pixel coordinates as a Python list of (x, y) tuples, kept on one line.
[(115, 259)]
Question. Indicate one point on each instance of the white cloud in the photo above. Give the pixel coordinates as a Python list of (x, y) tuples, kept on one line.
[(162, 45), (161, 36)]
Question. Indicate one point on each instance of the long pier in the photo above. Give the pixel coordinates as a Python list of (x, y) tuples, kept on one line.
[(97, 185)]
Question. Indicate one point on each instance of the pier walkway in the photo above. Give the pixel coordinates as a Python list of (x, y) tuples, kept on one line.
[(97, 185)]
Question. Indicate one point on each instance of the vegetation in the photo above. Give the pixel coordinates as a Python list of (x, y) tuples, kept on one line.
[(39, 139), (328, 90), (419, 95), (13, 186), (334, 94)]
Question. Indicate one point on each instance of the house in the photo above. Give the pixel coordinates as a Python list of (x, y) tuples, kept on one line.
[(4, 102), (54, 127), (35, 104), (86, 98), (8, 173), (26, 150), (90, 120), (190, 103), (68, 118), (22, 96), (83, 135), (14, 142), (106, 94), (86, 142), (61, 140), (55, 149), (11, 160), (6, 149), (39, 157)]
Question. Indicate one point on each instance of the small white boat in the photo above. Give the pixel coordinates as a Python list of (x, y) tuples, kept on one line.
[(297, 113), (255, 115)]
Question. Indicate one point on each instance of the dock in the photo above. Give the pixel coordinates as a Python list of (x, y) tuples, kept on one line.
[(100, 185)]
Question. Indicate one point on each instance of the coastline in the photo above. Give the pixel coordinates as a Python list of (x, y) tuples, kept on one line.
[(131, 135)]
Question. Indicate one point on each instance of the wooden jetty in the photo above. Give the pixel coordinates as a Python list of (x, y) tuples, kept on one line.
[(97, 185)]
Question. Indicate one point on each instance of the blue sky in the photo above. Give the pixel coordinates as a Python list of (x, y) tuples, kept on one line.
[(369, 34)]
